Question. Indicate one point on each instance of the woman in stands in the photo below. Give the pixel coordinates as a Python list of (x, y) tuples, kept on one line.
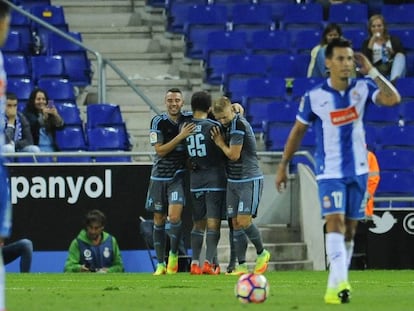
[(317, 67), (44, 120), (383, 50)]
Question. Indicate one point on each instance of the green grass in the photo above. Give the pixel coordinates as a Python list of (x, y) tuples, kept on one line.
[(293, 290)]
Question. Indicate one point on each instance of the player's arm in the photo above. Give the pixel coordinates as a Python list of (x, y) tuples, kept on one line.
[(163, 149), (292, 145), (232, 152), (388, 95)]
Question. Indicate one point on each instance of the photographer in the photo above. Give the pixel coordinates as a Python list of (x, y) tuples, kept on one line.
[(94, 250), (44, 120)]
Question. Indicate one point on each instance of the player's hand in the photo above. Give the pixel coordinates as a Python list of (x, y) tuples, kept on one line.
[(363, 63), (281, 178), (186, 130), (217, 136)]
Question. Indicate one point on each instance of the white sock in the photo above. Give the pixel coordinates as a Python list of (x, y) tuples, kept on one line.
[(349, 246), (336, 252)]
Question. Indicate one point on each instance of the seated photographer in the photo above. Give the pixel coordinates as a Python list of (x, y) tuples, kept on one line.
[(94, 250), (44, 120)]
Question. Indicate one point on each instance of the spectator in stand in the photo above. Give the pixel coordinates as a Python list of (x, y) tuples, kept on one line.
[(18, 137), (373, 181), (94, 250), (22, 248), (44, 120), (383, 50), (317, 68)]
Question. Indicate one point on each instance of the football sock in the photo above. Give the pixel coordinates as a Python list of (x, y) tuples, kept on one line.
[(159, 242), (212, 239), (254, 236), (240, 245), (197, 238), (335, 250), (349, 246), (232, 248), (174, 232)]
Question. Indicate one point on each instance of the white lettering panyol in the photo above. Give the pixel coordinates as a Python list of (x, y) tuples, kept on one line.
[(56, 187)]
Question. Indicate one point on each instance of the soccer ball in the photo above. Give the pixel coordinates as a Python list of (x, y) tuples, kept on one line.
[(252, 288)]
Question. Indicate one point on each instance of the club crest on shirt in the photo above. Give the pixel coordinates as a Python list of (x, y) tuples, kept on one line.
[(355, 96), (326, 202), (344, 116)]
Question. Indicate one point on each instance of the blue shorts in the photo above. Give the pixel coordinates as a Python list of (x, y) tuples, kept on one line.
[(162, 193), (243, 198), (344, 196)]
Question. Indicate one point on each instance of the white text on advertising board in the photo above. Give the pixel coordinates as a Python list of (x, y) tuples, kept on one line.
[(68, 187)]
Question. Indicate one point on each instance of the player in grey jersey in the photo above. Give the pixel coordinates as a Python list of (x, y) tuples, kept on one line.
[(244, 182), (207, 185), (165, 198)]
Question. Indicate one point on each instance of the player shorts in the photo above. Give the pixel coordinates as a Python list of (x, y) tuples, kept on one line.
[(209, 204), (243, 198), (343, 196), (162, 193)]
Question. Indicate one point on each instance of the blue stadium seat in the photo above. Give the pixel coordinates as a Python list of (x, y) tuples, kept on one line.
[(177, 13), (103, 115), (276, 136), (372, 133), (252, 17), (407, 112), (31, 3), (349, 15), (22, 87), (235, 88), (221, 44), (21, 24), (70, 113), (398, 16), (107, 138), (71, 138), (303, 16), (196, 40), (395, 159), (396, 136), (58, 89), (14, 44), (289, 65), (406, 36), (257, 115), (278, 8), (357, 37), (381, 114), (303, 84), (406, 88), (47, 66), (306, 39), (16, 65), (52, 14), (208, 15), (396, 183), (75, 59), (264, 90), (249, 65), (270, 42), (282, 112)]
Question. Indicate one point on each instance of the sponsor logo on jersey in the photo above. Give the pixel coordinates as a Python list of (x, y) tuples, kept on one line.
[(344, 116), (153, 137)]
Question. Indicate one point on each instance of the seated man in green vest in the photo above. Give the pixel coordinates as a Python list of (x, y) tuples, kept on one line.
[(94, 250)]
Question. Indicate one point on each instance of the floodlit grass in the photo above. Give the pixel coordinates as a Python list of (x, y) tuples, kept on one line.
[(293, 290)]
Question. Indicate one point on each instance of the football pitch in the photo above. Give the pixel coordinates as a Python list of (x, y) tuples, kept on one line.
[(289, 290)]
